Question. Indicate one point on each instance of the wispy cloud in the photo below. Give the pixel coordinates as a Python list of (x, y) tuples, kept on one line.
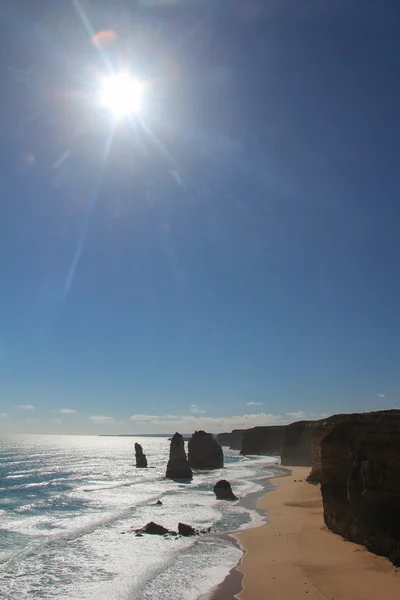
[(324, 415), (67, 411), (139, 418), (31, 420), (254, 403), (380, 395), (300, 414), (56, 421), (25, 407), (196, 410), (4, 415), (101, 420)]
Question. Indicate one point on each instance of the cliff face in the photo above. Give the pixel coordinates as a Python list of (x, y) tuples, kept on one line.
[(205, 452), (223, 439), (263, 440), (296, 444), (178, 466), (322, 428), (360, 481), (236, 439)]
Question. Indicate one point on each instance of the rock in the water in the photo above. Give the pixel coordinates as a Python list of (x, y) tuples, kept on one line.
[(205, 452), (141, 460), (178, 466), (223, 490), (186, 530), (153, 529), (158, 503), (360, 483)]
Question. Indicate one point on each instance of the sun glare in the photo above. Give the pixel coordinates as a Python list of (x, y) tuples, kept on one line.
[(121, 95)]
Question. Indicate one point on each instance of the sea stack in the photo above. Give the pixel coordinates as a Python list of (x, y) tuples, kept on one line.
[(178, 466), (205, 452), (141, 460)]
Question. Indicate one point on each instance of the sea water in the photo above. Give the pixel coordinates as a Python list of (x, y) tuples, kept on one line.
[(69, 506)]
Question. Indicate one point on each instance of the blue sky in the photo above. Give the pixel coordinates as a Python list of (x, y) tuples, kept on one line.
[(233, 260)]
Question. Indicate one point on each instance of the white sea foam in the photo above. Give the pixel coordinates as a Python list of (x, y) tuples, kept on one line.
[(63, 518)]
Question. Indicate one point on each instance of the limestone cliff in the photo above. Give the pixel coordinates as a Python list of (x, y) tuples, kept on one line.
[(360, 481), (236, 439), (205, 452), (296, 444), (322, 428), (178, 466), (232, 439), (223, 439), (263, 440)]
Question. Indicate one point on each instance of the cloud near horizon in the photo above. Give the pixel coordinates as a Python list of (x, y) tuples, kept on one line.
[(101, 420), (25, 407), (196, 410), (188, 423), (254, 403), (300, 414), (67, 411), (4, 415)]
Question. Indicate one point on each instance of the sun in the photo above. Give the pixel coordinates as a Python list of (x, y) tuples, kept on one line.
[(121, 95)]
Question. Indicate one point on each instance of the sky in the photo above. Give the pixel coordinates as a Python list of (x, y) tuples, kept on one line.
[(229, 256)]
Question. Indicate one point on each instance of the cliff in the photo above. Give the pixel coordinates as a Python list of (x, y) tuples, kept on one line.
[(360, 481), (296, 444), (263, 440), (205, 452), (223, 439), (232, 439), (236, 439), (178, 466), (322, 428)]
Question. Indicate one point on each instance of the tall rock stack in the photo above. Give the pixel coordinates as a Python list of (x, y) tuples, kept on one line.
[(178, 466), (205, 452), (141, 460)]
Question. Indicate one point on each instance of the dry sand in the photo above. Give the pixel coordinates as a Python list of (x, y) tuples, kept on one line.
[(295, 557)]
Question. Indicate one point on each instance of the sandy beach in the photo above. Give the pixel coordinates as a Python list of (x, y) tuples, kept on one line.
[(296, 556)]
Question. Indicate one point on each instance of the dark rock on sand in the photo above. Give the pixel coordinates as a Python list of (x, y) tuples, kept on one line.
[(186, 530), (205, 452), (360, 481), (263, 440), (223, 490), (178, 466), (141, 460)]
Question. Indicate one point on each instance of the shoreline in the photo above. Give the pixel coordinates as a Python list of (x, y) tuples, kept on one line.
[(232, 585), (306, 560)]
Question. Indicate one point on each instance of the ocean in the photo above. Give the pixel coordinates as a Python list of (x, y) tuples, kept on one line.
[(68, 505)]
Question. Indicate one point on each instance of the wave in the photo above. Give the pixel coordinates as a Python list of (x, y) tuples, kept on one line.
[(54, 540)]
